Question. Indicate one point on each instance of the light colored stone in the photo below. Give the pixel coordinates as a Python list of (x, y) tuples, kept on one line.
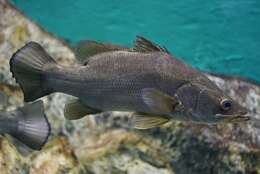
[(10, 160), (57, 157)]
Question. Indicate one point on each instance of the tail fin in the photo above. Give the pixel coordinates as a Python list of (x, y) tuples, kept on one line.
[(33, 127), (26, 66)]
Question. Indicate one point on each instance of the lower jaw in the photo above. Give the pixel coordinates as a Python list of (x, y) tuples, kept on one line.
[(239, 119)]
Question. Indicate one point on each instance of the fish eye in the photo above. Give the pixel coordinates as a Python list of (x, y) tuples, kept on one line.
[(226, 104)]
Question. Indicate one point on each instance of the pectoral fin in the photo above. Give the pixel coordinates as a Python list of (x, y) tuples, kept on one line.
[(87, 48), (146, 122), (144, 45), (75, 109), (159, 102)]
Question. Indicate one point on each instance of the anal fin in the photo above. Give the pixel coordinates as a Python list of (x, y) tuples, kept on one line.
[(75, 109)]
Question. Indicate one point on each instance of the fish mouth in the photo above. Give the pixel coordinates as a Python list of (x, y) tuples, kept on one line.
[(241, 117)]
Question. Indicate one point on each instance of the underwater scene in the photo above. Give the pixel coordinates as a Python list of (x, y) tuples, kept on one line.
[(215, 36), (129, 87)]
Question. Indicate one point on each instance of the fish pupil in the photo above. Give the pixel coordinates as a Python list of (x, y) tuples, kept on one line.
[(226, 104)]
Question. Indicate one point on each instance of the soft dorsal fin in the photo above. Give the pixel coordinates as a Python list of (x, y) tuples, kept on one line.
[(144, 45), (87, 48)]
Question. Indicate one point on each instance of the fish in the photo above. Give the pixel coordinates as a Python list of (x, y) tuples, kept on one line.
[(146, 80), (28, 125)]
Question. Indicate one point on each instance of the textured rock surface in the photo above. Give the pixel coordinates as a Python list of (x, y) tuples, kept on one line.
[(104, 144)]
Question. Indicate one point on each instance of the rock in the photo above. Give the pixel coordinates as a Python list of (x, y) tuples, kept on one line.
[(105, 144), (2, 38), (11, 161), (57, 157), (19, 35)]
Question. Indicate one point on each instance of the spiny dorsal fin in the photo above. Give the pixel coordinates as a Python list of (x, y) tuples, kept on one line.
[(144, 45), (75, 109), (87, 48), (159, 102), (142, 121)]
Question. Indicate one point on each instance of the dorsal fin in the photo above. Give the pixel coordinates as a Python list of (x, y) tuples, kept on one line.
[(88, 48), (144, 45)]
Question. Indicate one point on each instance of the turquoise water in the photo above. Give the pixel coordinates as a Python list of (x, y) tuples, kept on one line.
[(221, 36)]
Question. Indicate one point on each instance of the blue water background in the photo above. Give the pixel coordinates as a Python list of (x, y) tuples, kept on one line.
[(221, 36)]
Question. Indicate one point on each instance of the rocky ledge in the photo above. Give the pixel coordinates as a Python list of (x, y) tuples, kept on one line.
[(104, 144)]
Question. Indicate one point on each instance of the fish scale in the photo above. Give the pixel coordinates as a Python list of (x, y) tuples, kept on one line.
[(131, 77)]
